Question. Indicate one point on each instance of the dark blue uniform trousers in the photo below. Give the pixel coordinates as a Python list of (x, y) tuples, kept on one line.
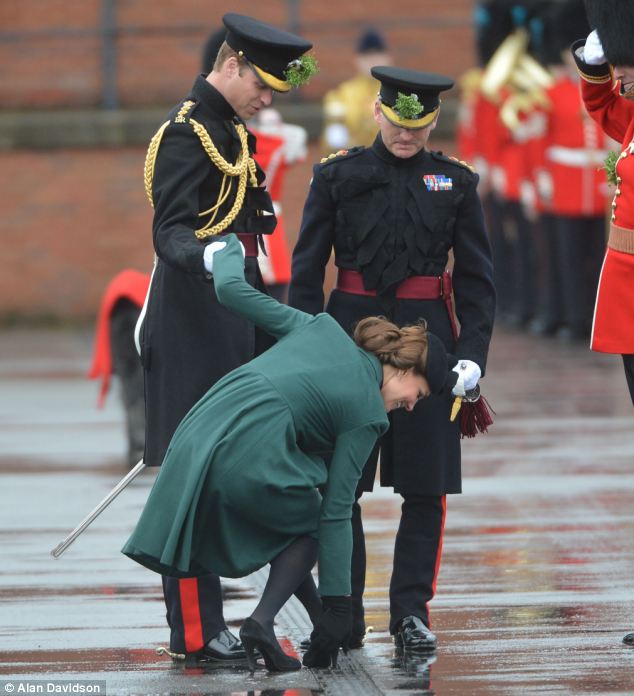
[(417, 553), (194, 611)]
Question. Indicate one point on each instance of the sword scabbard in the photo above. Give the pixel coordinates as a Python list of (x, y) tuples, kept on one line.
[(128, 478)]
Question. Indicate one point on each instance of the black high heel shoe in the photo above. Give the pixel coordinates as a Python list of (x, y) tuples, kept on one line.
[(254, 636)]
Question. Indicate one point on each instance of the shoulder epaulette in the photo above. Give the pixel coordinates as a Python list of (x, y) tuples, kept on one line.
[(341, 153), (183, 113), (453, 160)]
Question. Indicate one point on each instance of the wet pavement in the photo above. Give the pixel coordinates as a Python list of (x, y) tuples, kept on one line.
[(535, 590)]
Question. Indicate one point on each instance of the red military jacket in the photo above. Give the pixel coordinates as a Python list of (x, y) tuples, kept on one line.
[(514, 144), (466, 127), (613, 326), (486, 146), (279, 145), (570, 177), (276, 265)]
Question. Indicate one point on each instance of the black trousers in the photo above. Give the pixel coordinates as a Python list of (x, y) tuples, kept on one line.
[(550, 304), (502, 250), (194, 611), (628, 364), (520, 236), (417, 553), (580, 249)]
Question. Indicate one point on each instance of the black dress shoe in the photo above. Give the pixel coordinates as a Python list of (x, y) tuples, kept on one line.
[(224, 648), (255, 638), (629, 639), (412, 634)]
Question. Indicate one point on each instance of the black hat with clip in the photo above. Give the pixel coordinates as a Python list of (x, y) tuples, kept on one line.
[(410, 98), (276, 56)]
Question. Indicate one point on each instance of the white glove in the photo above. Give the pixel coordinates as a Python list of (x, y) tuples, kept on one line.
[(593, 50), (214, 247), (468, 375), (208, 254)]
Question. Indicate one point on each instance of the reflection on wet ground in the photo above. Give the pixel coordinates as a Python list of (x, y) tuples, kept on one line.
[(534, 593)]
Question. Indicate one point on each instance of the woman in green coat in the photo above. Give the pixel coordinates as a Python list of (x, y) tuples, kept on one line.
[(245, 480)]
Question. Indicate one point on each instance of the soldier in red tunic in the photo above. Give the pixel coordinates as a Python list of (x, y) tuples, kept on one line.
[(570, 183), (606, 64)]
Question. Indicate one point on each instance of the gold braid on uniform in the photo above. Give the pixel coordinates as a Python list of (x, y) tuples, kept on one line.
[(150, 161), (244, 168)]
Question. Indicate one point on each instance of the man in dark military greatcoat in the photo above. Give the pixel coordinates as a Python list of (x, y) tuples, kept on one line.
[(202, 182), (392, 212)]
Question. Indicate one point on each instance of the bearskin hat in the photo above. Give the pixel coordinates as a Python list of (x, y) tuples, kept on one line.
[(614, 22)]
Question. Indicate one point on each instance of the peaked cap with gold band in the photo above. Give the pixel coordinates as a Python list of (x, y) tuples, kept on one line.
[(269, 50), (410, 98)]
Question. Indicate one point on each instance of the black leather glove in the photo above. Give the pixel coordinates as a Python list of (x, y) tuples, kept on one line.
[(332, 631)]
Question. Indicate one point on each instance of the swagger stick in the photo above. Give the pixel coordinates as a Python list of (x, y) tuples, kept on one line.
[(128, 478)]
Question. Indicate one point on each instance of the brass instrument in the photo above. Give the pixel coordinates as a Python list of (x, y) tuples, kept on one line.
[(499, 69), (515, 80)]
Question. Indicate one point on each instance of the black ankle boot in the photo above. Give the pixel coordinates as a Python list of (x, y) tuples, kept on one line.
[(254, 636)]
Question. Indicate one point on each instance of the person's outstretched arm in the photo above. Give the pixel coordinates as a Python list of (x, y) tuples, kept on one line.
[(233, 291)]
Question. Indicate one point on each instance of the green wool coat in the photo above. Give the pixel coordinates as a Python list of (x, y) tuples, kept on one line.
[(244, 474)]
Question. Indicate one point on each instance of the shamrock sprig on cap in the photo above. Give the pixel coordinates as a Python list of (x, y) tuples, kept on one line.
[(407, 106), (300, 71)]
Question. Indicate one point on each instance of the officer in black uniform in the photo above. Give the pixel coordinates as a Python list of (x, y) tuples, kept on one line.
[(202, 182), (392, 212)]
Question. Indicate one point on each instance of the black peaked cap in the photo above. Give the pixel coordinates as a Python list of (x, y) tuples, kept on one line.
[(268, 48), (427, 86)]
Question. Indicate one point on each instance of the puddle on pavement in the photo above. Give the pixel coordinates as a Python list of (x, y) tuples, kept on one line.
[(80, 661), (136, 592)]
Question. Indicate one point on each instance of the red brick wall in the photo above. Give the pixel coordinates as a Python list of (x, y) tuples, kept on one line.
[(71, 219), (51, 52)]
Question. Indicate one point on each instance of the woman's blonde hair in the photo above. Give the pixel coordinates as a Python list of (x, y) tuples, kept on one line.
[(402, 347)]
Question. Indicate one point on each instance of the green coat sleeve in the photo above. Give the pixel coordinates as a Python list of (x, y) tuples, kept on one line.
[(335, 529), (236, 294)]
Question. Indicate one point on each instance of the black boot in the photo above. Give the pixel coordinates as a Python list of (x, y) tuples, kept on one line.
[(629, 639)]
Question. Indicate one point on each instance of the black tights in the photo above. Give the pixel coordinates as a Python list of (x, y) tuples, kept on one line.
[(628, 364), (290, 574)]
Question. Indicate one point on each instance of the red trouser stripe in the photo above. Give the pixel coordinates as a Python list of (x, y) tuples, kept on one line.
[(190, 610), (443, 503)]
